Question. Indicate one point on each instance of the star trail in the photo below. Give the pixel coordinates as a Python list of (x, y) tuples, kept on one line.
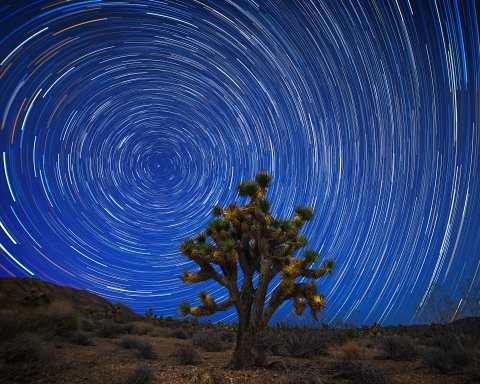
[(124, 122)]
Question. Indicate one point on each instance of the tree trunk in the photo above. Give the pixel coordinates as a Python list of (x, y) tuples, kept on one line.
[(242, 355)]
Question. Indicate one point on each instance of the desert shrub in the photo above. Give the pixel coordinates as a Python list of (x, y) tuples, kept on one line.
[(209, 341), (307, 338), (143, 374), (175, 333), (128, 328), (228, 337), (145, 350), (301, 375), (109, 329), (305, 342), (453, 360), (443, 342), (360, 372), (87, 326), (351, 333), (64, 325), (436, 358), (460, 358), (129, 342), (399, 348), (185, 354), (351, 349), (81, 338), (206, 377), (25, 348), (473, 370), (142, 329), (13, 323), (269, 343), (59, 318)]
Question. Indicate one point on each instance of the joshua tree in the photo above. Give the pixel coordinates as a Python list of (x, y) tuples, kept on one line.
[(111, 311), (250, 239)]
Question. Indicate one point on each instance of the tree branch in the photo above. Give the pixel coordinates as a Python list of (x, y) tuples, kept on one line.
[(210, 310)]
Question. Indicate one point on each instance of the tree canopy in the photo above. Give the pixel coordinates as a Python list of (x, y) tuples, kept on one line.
[(243, 249)]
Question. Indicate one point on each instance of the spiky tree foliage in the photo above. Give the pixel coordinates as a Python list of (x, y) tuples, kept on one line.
[(249, 238)]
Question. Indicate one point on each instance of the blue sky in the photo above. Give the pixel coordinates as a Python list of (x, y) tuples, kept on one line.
[(124, 122)]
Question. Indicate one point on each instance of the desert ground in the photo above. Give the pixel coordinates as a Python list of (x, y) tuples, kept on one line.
[(47, 339)]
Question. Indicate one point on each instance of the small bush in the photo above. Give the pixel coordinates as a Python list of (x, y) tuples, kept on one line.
[(270, 342), (87, 326), (442, 342), (141, 330), (81, 338), (399, 348), (473, 370), (436, 358), (207, 377), (460, 358), (175, 333), (351, 349), (143, 374), (25, 348), (361, 373), (109, 330), (185, 354), (228, 337), (128, 328), (60, 318), (129, 343), (304, 342), (454, 360), (145, 350), (209, 341)]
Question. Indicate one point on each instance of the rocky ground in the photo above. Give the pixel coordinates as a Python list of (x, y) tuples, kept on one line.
[(170, 355)]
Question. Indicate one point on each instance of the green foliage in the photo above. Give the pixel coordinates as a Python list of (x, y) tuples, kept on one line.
[(299, 223), (187, 247), (248, 188), (329, 264), (201, 238), (206, 249), (228, 245), (218, 225), (285, 225), (301, 240), (217, 211), (184, 309), (311, 256), (202, 295), (306, 213), (264, 205), (263, 179)]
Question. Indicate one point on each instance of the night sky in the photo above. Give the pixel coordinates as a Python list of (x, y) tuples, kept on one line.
[(124, 122)]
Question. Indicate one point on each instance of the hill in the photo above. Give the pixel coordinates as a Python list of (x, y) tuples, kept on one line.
[(14, 289)]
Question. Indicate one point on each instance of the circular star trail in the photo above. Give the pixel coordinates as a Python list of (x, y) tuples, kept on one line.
[(124, 122)]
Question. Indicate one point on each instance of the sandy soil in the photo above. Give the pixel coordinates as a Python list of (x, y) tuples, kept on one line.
[(107, 361)]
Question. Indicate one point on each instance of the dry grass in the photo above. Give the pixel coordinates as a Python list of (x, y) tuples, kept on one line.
[(351, 349)]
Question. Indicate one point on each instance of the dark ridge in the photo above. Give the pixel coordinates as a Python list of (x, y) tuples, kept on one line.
[(14, 289)]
